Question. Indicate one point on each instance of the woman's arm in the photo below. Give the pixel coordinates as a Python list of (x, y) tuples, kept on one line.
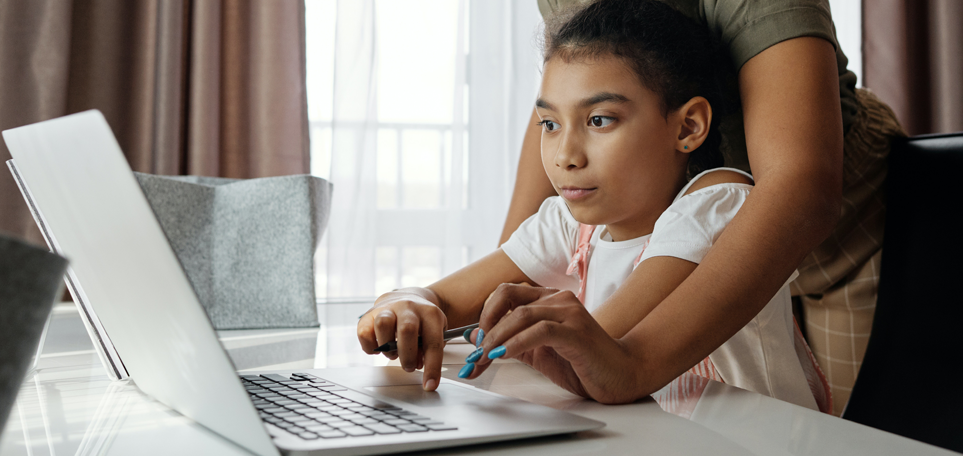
[(531, 183), (794, 133)]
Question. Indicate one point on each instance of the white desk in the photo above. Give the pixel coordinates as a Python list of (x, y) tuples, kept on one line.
[(70, 407)]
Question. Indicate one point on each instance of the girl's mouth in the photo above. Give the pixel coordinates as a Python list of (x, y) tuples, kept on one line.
[(575, 193)]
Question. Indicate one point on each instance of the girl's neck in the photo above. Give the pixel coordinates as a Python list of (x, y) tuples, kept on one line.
[(644, 222)]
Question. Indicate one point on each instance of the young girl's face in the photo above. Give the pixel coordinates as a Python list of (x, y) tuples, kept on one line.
[(606, 146)]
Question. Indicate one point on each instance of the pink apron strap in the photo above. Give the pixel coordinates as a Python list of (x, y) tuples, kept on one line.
[(579, 264), (706, 369), (814, 375)]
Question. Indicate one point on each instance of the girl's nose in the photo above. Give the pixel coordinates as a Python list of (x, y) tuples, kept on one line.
[(570, 154)]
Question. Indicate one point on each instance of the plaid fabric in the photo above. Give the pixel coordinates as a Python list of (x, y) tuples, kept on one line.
[(837, 282)]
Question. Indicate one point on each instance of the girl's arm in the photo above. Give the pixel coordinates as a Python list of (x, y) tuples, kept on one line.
[(409, 313), (794, 133), (531, 183)]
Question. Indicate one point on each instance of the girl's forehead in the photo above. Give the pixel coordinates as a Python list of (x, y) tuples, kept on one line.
[(571, 79)]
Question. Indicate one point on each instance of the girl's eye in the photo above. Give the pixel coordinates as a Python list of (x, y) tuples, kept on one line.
[(600, 121), (548, 125)]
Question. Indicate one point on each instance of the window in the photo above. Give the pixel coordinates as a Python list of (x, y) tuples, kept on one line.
[(419, 189)]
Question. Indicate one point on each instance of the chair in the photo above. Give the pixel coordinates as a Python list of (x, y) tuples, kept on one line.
[(909, 383)]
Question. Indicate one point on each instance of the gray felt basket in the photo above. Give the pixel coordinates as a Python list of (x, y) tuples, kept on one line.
[(247, 246)]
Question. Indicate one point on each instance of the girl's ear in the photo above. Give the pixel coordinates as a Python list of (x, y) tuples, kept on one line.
[(693, 120)]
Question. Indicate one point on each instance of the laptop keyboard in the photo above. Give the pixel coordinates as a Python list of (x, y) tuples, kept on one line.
[(313, 408)]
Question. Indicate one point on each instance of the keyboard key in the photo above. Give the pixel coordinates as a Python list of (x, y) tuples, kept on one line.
[(396, 422), (328, 419), (273, 410), (340, 424), (353, 405), (412, 428), (386, 407), (276, 377), (308, 435), (441, 427), (273, 420), (364, 421), (285, 414), (356, 431), (317, 414), (418, 418), (383, 416), (318, 428), (317, 404), (353, 416), (383, 428), (332, 434)]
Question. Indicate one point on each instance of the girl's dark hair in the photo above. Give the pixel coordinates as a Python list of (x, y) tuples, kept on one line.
[(672, 55)]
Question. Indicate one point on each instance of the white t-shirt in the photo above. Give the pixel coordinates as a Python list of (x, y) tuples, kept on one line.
[(761, 357)]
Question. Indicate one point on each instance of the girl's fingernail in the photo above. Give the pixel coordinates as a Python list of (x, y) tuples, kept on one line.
[(497, 352), (431, 384), (466, 371), (467, 335), (478, 339), (475, 355)]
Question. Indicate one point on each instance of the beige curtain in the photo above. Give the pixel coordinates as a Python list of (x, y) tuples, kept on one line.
[(207, 87), (913, 59)]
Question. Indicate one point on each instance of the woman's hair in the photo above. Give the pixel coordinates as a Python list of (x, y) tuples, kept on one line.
[(672, 55)]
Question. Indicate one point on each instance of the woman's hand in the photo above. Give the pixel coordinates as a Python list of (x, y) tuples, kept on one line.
[(406, 315), (551, 331)]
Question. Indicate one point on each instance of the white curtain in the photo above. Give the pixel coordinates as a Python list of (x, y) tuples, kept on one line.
[(419, 194)]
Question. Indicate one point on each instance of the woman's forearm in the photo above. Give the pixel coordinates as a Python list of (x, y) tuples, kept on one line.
[(794, 134), (531, 183)]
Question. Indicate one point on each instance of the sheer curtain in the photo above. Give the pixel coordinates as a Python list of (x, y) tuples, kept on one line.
[(417, 111)]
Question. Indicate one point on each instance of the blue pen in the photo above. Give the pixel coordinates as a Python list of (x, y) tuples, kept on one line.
[(447, 335)]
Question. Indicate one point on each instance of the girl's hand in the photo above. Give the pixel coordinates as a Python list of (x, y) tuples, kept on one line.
[(405, 315), (552, 331)]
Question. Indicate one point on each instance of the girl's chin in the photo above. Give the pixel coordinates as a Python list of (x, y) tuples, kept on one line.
[(585, 214)]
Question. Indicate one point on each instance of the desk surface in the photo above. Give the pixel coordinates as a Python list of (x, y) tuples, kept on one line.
[(70, 407)]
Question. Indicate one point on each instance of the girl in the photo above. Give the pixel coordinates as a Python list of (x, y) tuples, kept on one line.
[(631, 144)]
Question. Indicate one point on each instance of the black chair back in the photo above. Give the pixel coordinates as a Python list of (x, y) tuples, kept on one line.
[(909, 383)]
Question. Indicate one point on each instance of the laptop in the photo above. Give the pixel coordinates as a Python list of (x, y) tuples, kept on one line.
[(92, 211)]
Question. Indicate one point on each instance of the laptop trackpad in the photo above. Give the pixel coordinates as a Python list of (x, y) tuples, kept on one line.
[(444, 395)]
